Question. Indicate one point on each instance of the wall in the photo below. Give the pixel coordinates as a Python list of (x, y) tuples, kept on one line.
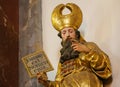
[(100, 25), (30, 37)]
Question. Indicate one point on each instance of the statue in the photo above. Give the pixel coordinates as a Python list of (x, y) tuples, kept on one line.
[(82, 63)]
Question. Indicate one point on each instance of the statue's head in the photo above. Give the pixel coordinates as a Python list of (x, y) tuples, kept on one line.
[(67, 25)]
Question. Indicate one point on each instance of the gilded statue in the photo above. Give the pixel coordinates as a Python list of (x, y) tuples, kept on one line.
[(82, 63)]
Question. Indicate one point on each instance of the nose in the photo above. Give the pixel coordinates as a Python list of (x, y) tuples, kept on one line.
[(67, 34)]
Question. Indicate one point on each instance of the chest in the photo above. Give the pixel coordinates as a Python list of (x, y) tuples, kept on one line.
[(72, 65), (68, 67)]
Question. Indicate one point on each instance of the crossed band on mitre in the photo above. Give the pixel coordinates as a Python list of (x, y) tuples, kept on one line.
[(60, 21)]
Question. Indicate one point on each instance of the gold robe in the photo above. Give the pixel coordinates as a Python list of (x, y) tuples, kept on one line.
[(84, 71)]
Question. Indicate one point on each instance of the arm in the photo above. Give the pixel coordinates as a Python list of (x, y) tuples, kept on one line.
[(43, 79), (99, 61)]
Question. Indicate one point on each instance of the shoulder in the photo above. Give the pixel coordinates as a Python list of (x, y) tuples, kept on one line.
[(94, 47), (91, 45)]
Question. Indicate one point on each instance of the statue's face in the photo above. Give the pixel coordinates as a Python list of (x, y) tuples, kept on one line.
[(68, 33)]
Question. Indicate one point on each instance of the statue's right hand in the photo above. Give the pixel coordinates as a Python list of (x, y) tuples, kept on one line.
[(42, 77)]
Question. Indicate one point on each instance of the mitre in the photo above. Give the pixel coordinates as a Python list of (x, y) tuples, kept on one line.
[(60, 21)]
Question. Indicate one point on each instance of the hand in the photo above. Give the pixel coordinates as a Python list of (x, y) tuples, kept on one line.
[(80, 47), (42, 78)]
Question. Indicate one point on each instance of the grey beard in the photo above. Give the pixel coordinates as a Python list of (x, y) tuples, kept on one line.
[(67, 51)]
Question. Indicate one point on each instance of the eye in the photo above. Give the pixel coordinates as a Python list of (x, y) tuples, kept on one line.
[(71, 31), (63, 32)]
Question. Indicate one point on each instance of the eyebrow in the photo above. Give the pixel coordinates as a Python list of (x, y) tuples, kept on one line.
[(63, 31)]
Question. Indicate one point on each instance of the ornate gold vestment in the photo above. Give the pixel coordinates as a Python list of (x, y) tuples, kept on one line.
[(84, 71)]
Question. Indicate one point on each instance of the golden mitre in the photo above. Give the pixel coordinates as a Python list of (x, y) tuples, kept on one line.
[(60, 21)]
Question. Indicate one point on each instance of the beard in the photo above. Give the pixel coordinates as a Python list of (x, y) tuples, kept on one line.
[(67, 51)]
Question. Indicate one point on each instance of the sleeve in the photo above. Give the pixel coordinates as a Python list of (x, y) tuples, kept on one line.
[(54, 84), (99, 61), (58, 78)]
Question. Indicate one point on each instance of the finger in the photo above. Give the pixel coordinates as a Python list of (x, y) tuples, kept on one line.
[(38, 73), (74, 41), (75, 49), (39, 76), (73, 45)]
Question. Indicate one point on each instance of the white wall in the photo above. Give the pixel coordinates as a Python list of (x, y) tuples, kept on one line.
[(101, 20)]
